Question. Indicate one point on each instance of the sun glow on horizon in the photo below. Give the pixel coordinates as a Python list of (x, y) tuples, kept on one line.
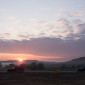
[(21, 60)]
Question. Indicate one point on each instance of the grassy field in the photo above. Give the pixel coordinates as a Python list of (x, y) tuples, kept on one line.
[(42, 79)]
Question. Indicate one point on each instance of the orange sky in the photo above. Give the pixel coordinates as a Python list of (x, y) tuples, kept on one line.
[(8, 56)]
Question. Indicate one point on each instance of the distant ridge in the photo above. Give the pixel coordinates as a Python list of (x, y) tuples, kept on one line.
[(76, 61), (28, 62)]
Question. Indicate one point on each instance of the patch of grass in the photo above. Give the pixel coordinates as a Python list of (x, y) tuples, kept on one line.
[(42, 79)]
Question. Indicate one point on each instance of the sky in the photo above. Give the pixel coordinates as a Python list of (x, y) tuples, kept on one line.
[(45, 30)]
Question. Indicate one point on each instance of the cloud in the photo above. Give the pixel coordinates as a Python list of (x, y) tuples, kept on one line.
[(59, 59), (77, 21), (58, 15), (69, 30), (66, 31), (77, 14), (24, 26), (32, 19), (62, 10), (18, 21), (5, 35), (48, 47), (42, 23), (63, 28), (81, 28), (15, 19), (61, 21), (12, 17), (11, 56), (25, 36)]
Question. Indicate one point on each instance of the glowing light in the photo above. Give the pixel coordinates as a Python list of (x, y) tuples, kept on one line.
[(20, 59)]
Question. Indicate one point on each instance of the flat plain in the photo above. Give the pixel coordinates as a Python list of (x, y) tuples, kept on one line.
[(29, 78)]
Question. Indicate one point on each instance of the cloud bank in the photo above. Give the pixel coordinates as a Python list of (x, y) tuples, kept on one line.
[(48, 47)]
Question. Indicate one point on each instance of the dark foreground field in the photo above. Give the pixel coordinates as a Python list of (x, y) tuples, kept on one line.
[(42, 79)]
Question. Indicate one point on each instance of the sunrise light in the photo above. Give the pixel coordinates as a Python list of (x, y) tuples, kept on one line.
[(20, 60)]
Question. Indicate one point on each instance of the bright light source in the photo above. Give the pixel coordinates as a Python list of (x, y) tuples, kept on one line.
[(20, 59)]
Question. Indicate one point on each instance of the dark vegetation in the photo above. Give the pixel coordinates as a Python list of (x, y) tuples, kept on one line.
[(30, 78), (28, 67), (34, 65)]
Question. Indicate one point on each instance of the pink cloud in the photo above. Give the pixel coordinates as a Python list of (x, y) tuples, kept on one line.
[(62, 21), (12, 17), (18, 21), (5, 35), (32, 19), (76, 14), (24, 26), (48, 47), (42, 23), (58, 15), (62, 10)]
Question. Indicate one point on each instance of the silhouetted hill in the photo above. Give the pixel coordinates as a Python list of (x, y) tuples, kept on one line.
[(76, 62), (28, 62), (45, 63), (9, 61), (79, 59)]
